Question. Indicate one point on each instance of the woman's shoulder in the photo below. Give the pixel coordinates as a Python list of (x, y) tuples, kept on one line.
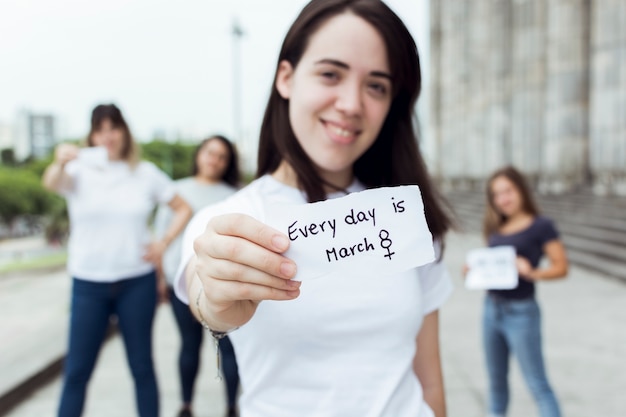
[(239, 201), (545, 228), (145, 164), (182, 183), (248, 200), (542, 221), (146, 168), (183, 180)]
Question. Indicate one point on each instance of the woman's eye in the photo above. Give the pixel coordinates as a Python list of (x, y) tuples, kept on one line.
[(380, 89), (329, 75)]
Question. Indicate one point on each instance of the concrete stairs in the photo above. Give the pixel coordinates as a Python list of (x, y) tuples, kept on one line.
[(593, 227)]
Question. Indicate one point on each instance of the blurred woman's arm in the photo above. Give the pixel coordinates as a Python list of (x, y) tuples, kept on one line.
[(54, 177), (182, 213), (557, 267)]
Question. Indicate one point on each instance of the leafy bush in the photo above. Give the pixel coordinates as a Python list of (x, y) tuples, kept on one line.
[(175, 159), (22, 194)]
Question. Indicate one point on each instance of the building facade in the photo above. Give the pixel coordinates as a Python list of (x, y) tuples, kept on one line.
[(540, 84), (33, 135)]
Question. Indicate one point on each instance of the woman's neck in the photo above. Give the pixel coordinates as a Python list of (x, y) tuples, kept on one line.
[(517, 222), (287, 175), (207, 180)]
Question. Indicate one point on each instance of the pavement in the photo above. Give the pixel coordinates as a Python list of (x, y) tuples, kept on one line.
[(26, 248), (584, 345)]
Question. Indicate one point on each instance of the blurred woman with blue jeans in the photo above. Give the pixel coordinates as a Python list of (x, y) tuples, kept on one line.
[(512, 320), (110, 195), (214, 177)]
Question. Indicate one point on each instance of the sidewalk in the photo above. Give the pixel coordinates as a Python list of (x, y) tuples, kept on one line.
[(583, 338), (584, 346), (25, 248), (33, 326), (111, 392)]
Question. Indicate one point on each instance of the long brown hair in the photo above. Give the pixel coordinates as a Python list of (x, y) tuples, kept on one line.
[(493, 219), (394, 157), (102, 112), (231, 174)]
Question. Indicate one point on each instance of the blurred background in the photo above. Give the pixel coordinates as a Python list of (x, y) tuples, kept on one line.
[(540, 84)]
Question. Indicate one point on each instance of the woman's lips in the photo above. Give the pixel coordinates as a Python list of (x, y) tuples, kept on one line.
[(344, 135)]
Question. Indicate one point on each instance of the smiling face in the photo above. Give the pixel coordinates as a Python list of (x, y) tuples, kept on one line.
[(110, 137), (212, 160), (506, 197), (339, 94)]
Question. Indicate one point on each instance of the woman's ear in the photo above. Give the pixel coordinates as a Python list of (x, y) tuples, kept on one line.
[(284, 77)]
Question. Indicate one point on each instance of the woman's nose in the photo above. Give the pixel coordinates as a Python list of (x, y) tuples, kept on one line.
[(349, 99)]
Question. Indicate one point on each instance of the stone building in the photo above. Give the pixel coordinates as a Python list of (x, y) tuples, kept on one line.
[(540, 84)]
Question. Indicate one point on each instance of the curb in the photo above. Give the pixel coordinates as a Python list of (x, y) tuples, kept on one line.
[(23, 390)]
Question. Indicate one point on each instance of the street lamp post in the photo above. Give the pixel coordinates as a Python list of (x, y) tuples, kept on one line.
[(237, 33)]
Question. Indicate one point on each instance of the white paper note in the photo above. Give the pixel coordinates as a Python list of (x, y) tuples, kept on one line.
[(491, 268), (94, 156), (381, 230)]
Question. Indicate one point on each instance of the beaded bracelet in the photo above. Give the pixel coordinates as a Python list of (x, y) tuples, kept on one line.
[(217, 335)]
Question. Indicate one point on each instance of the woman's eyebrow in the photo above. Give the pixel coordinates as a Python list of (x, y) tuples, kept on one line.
[(343, 65)]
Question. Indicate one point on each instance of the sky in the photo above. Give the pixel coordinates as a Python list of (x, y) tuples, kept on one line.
[(168, 65)]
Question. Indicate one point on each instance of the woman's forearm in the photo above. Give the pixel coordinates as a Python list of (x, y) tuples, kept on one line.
[(54, 177), (182, 214), (549, 273), (558, 263)]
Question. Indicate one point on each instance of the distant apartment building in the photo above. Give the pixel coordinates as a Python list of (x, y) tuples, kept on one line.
[(32, 135), (41, 131)]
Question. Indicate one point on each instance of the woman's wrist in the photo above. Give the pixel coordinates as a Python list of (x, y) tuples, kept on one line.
[(215, 332), (199, 313), (58, 165), (165, 243)]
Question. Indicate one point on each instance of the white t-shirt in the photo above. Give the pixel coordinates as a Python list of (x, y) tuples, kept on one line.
[(198, 195), (344, 347), (109, 208)]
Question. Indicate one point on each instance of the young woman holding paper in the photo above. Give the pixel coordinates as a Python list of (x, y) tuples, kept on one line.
[(110, 196), (339, 120), (512, 322)]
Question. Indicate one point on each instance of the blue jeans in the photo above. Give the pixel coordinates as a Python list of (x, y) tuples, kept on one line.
[(133, 301), (230, 370), (189, 357), (191, 333), (514, 326)]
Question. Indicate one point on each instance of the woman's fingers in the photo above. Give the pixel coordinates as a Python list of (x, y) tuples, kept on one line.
[(222, 291), (65, 152), (243, 240), (239, 262), (250, 229), (226, 270)]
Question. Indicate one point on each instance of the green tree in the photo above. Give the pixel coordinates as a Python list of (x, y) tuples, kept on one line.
[(7, 156), (22, 195), (57, 225), (175, 159), (38, 166)]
